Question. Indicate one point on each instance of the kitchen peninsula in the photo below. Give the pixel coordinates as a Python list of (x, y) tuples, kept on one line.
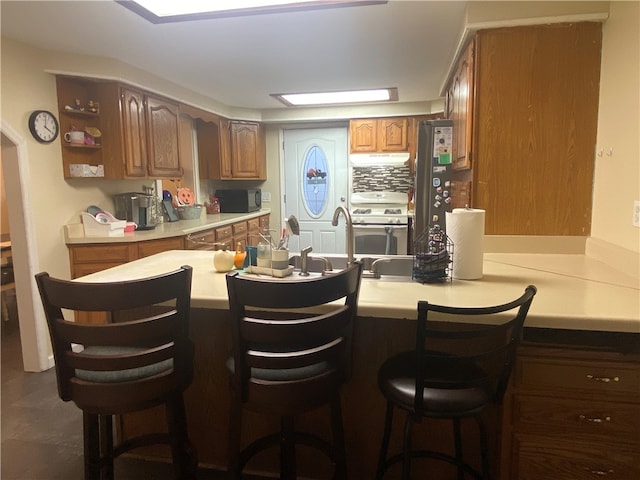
[(583, 328)]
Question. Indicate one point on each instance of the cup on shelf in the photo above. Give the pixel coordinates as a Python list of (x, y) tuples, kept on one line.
[(75, 137)]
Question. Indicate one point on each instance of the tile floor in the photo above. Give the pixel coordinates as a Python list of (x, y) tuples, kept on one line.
[(42, 436)]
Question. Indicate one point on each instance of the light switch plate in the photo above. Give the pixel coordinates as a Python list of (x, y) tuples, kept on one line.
[(266, 196)]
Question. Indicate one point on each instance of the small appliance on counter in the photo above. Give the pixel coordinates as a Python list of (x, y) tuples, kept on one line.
[(136, 207), (239, 200)]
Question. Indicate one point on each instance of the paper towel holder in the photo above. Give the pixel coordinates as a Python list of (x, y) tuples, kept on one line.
[(432, 256)]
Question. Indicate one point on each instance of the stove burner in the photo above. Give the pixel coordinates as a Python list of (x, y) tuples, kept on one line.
[(361, 211), (392, 211)]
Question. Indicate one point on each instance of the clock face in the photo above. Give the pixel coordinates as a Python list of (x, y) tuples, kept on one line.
[(43, 126)]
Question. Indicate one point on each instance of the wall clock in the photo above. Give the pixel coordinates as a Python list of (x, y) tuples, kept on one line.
[(43, 125)]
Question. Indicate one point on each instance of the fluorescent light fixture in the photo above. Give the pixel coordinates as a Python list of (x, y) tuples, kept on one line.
[(334, 98), (159, 11)]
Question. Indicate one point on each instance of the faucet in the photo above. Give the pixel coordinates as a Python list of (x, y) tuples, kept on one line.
[(304, 266), (375, 269), (349, 225)]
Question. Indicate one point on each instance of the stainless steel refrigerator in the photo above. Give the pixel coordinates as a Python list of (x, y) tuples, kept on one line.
[(433, 175)]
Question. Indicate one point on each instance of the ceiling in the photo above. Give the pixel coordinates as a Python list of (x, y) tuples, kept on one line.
[(240, 61)]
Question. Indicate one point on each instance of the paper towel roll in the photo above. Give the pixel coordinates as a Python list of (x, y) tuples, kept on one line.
[(465, 228)]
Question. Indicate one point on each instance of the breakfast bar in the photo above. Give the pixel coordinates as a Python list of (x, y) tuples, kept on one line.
[(578, 298)]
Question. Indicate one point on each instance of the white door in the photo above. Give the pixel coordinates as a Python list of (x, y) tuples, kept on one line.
[(316, 176)]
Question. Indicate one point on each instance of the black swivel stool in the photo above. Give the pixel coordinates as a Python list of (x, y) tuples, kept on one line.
[(453, 373), (116, 368), (291, 354)]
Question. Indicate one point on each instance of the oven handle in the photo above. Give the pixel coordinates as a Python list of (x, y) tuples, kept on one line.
[(381, 227)]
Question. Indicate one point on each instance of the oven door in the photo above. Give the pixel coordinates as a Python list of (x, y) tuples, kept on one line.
[(380, 239)]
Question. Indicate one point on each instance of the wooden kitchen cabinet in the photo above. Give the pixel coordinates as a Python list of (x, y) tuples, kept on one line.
[(140, 134), (239, 235), (150, 135), (572, 414), (243, 232), (163, 137), (459, 108), (379, 135), (214, 159), (86, 259), (134, 133), (151, 247), (525, 121), (248, 151), (230, 150), (69, 92)]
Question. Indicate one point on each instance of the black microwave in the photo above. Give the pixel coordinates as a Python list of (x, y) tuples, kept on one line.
[(239, 200)]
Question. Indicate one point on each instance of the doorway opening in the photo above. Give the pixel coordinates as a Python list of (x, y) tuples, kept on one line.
[(34, 340)]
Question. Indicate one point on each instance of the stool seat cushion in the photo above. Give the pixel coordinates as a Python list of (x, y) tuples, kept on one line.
[(121, 375), (284, 374), (452, 387)]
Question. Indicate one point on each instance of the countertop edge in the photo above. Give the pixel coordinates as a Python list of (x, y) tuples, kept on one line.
[(74, 233)]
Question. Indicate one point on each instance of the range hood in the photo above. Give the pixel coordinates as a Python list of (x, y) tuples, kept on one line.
[(373, 159)]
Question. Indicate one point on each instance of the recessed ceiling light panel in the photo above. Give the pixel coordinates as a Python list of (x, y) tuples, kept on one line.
[(337, 98), (161, 11)]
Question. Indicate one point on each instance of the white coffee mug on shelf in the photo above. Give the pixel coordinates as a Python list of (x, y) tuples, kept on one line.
[(75, 136)]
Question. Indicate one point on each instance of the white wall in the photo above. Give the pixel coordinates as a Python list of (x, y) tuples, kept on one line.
[(617, 176)]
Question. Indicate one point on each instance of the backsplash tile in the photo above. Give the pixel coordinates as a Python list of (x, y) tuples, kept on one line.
[(381, 179)]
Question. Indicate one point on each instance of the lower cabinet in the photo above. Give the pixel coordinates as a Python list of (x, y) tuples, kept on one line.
[(572, 414), (90, 258)]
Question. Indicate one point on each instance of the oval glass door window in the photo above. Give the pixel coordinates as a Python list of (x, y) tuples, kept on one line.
[(315, 181)]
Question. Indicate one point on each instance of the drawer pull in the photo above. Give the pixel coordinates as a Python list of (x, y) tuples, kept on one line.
[(584, 418), (600, 473), (603, 379)]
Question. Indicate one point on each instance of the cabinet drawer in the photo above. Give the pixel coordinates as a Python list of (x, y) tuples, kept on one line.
[(578, 419), (239, 228), (253, 225), (225, 235), (146, 249), (112, 254), (538, 458), (201, 240), (595, 377), (82, 269)]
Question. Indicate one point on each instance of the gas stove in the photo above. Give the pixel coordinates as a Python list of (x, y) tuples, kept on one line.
[(379, 208)]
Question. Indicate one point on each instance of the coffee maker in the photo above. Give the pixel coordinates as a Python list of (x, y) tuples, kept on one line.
[(136, 207)]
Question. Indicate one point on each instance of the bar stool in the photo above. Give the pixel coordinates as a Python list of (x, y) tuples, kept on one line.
[(453, 373), (116, 368), (287, 362)]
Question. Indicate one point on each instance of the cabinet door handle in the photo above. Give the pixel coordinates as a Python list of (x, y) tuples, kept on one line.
[(603, 379), (599, 473), (584, 418)]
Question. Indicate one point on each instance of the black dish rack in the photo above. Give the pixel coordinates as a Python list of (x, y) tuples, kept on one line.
[(433, 256)]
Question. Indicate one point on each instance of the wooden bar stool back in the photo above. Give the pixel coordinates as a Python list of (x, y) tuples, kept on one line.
[(461, 364), (144, 360), (291, 354)]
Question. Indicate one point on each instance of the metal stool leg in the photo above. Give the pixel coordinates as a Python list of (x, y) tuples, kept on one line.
[(384, 447), (458, 442)]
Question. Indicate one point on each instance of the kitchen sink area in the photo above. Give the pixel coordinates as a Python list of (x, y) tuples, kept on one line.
[(381, 267)]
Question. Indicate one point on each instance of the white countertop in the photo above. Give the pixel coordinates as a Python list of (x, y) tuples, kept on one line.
[(74, 233), (574, 291)]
